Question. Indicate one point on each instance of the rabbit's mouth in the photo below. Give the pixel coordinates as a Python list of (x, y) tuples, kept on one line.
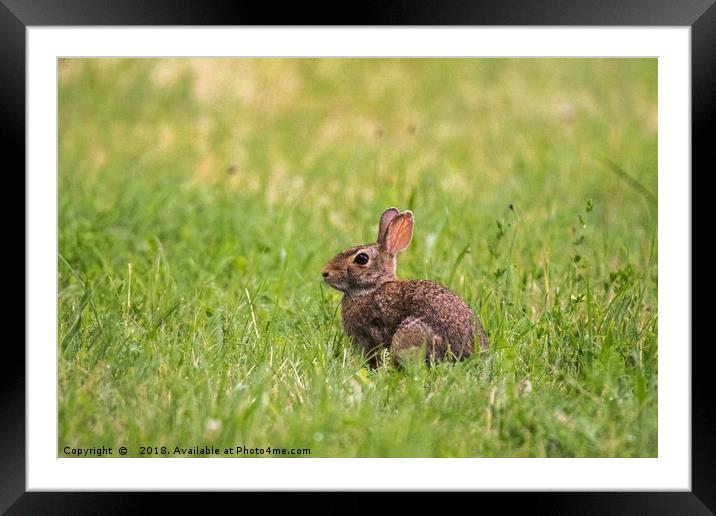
[(346, 285), (335, 282), (341, 283)]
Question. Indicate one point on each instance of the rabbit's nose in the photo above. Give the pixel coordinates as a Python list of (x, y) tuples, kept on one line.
[(325, 274)]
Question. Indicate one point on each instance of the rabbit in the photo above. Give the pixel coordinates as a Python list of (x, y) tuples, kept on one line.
[(379, 311)]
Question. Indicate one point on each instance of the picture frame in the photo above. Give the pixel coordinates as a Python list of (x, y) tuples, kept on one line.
[(15, 18)]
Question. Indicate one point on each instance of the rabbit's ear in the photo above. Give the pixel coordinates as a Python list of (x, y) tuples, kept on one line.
[(385, 219), (399, 234)]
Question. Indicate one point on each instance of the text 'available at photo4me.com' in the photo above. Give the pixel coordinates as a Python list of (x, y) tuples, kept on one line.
[(183, 451)]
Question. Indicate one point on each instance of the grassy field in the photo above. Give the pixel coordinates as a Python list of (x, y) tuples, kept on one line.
[(199, 199)]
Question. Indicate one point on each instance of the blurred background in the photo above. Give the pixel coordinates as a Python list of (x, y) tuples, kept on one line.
[(350, 136)]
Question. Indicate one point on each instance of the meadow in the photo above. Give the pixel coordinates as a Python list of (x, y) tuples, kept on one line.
[(199, 199)]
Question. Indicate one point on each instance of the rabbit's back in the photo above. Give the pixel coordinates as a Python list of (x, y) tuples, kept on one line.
[(373, 319)]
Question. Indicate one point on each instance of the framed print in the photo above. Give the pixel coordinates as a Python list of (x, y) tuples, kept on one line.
[(426, 251)]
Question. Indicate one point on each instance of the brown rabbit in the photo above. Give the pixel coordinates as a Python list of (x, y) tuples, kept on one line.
[(380, 311)]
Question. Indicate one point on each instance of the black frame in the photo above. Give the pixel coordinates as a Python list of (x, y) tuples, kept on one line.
[(700, 15)]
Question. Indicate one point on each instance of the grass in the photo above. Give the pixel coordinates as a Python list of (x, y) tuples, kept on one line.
[(199, 199)]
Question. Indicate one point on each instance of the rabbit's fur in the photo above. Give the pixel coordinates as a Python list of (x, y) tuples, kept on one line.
[(379, 311)]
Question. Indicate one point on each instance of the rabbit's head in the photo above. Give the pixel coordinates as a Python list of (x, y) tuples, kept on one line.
[(360, 269)]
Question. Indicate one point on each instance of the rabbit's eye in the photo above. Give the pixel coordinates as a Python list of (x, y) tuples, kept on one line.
[(361, 259)]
